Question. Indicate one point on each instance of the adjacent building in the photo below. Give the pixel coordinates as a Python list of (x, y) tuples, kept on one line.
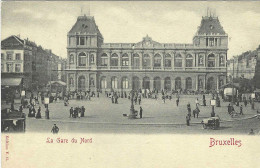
[(148, 64), (243, 66), (24, 65)]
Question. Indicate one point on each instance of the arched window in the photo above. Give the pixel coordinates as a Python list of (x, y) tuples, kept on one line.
[(146, 83), (124, 83), (221, 60), (177, 83), (188, 83), (168, 61), (210, 84), (211, 60), (81, 83), (104, 59), (103, 83), (178, 60), (189, 60), (136, 61), (167, 83), (146, 61), (82, 59), (71, 59), (114, 59), (157, 83), (157, 61), (125, 60), (114, 82), (136, 83)]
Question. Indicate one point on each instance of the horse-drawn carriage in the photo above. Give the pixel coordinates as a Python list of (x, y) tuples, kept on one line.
[(212, 123)]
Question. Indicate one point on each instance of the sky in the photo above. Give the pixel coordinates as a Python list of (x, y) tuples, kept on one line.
[(47, 23)]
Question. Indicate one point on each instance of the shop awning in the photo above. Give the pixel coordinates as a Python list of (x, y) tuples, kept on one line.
[(11, 81), (57, 82)]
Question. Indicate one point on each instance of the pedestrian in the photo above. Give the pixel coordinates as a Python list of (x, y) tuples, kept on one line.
[(251, 132), (12, 106), (71, 112), (252, 104), (47, 113), (188, 120), (79, 112), (38, 115), (177, 102), (82, 111), (245, 102), (33, 111), (229, 109), (189, 109), (55, 129), (163, 97), (139, 100), (141, 112), (241, 110), (197, 102), (112, 97)]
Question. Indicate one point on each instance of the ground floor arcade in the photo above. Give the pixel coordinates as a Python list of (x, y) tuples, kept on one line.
[(83, 81)]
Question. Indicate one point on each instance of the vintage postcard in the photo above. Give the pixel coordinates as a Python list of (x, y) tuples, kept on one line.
[(130, 84)]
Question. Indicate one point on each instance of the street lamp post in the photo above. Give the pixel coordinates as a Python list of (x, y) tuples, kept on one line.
[(132, 109), (233, 81)]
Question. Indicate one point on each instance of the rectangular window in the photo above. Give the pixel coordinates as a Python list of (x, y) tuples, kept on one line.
[(92, 59), (82, 41), (189, 62), (104, 61), (18, 56), (211, 42), (125, 62), (157, 62), (17, 67), (9, 56), (82, 61), (216, 41), (207, 44), (86, 41), (178, 63), (168, 63), (2, 56), (9, 68)]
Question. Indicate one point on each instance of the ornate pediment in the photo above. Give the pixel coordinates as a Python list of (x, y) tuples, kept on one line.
[(147, 42)]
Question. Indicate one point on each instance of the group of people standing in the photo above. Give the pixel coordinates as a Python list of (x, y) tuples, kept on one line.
[(77, 112)]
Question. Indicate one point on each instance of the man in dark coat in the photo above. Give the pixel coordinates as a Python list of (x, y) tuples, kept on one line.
[(47, 113), (141, 112), (188, 120), (189, 109), (71, 112), (55, 129), (241, 110), (82, 111), (177, 102)]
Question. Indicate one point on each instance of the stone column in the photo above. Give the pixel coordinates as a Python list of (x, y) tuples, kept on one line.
[(76, 81), (196, 82), (183, 83), (141, 60), (173, 56), (68, 81), (184, 61), (173, 84), (217, 82), (119, 59), (109, 60), (162, 83), (162, 60), (141, 82), (151, 84), (152, 61), (130, 60), (204, 83)]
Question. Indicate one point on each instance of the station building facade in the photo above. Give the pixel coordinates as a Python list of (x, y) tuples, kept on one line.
[(95, 65)]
